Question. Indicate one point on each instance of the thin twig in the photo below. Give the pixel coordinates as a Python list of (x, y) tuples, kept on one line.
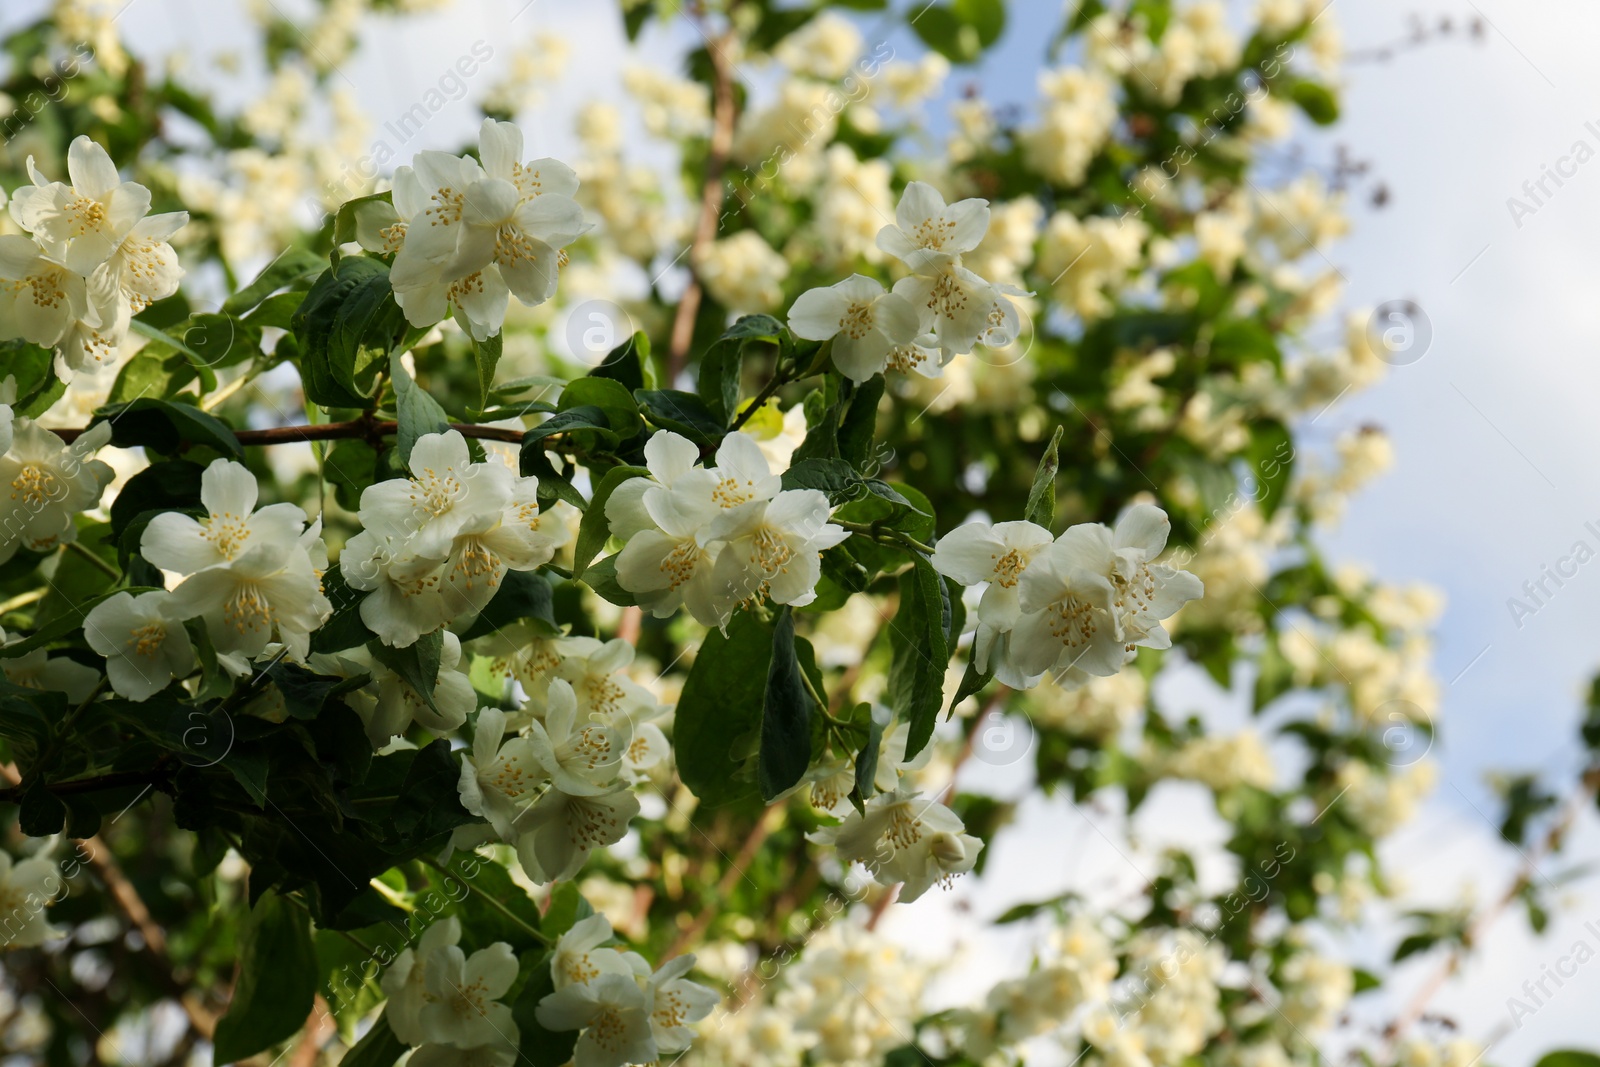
[(723, 112), (329, 431)]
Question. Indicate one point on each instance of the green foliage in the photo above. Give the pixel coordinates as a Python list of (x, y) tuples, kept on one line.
[(277, 979)]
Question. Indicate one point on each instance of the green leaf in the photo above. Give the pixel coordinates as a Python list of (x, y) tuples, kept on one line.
[(1271, 455), (295, 265), (417, 664), (601, 576), (683, 413), (522, 595), (486, 357), (428, 803), (988, 17), (1317, 101), (166, 427), (277, 981), (344, 628), (720, 711), (836, 477), (580, 418), (919, 637), (611, 397), (1568, 1058), (785, 717), (628, 363), (378, 1048), (347, 327), (718, 374), (595, 530), (1041, 508), (417, 412), (34, 369), (344, 222), (867, 758)]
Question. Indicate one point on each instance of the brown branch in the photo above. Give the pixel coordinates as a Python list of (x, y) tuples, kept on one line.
[(747, 852), (114, 780), (723, 113), (1548, 845), (365, 429)]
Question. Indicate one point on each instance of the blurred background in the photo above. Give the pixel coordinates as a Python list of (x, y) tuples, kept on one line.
[(1455, 115)]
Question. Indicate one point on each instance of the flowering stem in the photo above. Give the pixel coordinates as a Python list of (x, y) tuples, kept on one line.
[(723, 109), (884, 535), (92, 558), (533, 932), (355, 428)]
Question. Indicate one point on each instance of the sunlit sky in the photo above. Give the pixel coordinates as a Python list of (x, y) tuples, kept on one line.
[(1492, 426)]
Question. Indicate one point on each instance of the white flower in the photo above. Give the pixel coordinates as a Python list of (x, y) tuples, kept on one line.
[(49, 482), (774, 547), (85, 222), (866, 323), (996, 553), (493, 232), (381, 227), (581, 758), (268, 588), (26, 889), (1068, 620), (445, 490), (405, 985), (1147, 592), (676, 1002), (578, 956), (388, 705), (144, 645), (596, 672), (232, 526), (36, 670), (41, 298), (663, 563), (928, 233), (556, 834), (647, 749), (403, 601), (496, 778), (250, 573), (513, 536), (463, 992), (959, 307), (906, 837), (144, 268), (614, 1014), (437, 544)]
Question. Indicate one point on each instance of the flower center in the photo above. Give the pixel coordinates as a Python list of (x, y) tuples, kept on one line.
[(578, 968), (729, 493), (512, 246), (248, 610), (447, 207), (148, 639), (934, 232), (1072, 622), (679, 564), (590, 825), (857, 321), (227, 532), (86, 215), (1008, 568), (36, 486), (607, 1029), (434, 494)]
